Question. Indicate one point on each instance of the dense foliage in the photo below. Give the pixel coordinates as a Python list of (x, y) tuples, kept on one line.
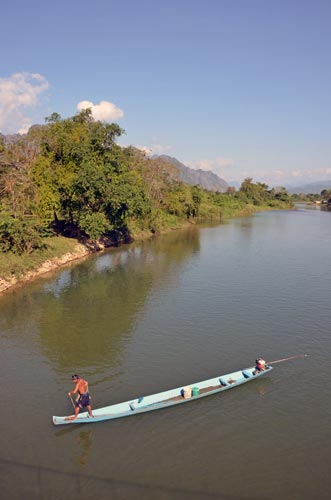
[(70, 177)]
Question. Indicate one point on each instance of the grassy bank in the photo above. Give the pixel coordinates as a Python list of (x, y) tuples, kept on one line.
[(18, 265), (16, 269)]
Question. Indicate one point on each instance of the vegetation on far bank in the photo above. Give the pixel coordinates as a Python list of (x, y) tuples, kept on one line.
[(323, 197), (69, 180)]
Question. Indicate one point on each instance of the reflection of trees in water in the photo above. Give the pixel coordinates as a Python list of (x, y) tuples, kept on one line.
[(81, 315)]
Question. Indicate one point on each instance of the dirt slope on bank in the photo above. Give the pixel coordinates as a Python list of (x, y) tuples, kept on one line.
[(49, 265)]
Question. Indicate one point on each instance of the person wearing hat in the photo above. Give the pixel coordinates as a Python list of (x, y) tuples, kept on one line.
[(84, 399)]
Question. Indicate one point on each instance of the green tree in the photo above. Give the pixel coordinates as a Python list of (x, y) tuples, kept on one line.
[(197, 196), (19, 235)]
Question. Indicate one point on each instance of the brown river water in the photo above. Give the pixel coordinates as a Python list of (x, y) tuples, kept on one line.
[(159, 314)]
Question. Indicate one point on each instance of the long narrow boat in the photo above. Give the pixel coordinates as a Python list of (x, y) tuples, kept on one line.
[(168, 398)]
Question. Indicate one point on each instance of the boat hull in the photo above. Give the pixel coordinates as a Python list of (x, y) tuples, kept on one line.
[(165, 399)]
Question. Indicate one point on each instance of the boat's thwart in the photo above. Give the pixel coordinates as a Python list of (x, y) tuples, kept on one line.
[(168, 398)]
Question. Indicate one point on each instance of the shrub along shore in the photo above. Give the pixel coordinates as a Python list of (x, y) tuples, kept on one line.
[(68, 190)]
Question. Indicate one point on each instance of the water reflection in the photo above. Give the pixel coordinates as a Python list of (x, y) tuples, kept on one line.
[(60, 283), (81, 316), (262, 390), (84, 439)]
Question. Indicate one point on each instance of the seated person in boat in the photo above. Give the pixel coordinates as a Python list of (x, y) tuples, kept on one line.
[(84, 398), (260, 365)]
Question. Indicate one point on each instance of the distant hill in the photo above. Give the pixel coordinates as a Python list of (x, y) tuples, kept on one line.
[(203, 178), (311, 188), (10, 138)]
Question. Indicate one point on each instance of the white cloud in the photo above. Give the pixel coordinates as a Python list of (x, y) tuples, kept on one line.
[(17, 93), (104, 111), (155, 149), (158, 149), (145, 149), (288, 177), (273, 177), (307, 175)]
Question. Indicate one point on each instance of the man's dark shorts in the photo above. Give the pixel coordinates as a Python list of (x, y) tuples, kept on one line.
[(84, 400)]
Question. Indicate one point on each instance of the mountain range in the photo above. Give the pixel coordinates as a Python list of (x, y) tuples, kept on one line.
[(203, 178), (310, 188)]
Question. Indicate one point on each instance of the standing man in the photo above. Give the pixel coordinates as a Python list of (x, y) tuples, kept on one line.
[(84, 400)]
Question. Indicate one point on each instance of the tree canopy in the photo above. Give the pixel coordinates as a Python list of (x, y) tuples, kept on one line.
[(70, 177)]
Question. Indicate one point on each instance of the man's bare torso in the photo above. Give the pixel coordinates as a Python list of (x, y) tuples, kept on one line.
[(81, 386)]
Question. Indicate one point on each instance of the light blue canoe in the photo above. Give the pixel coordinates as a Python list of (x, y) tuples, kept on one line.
[(168, 398)]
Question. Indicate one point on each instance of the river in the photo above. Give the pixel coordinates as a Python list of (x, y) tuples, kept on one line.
[(153, 315)]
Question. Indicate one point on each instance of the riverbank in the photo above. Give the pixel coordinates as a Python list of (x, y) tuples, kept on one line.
[(16, 270), (42, 263)]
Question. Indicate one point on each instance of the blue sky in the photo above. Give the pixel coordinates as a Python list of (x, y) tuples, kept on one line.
[(239, 87)]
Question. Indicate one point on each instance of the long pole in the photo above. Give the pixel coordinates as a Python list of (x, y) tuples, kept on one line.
[(72, 402), (287, 359)]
